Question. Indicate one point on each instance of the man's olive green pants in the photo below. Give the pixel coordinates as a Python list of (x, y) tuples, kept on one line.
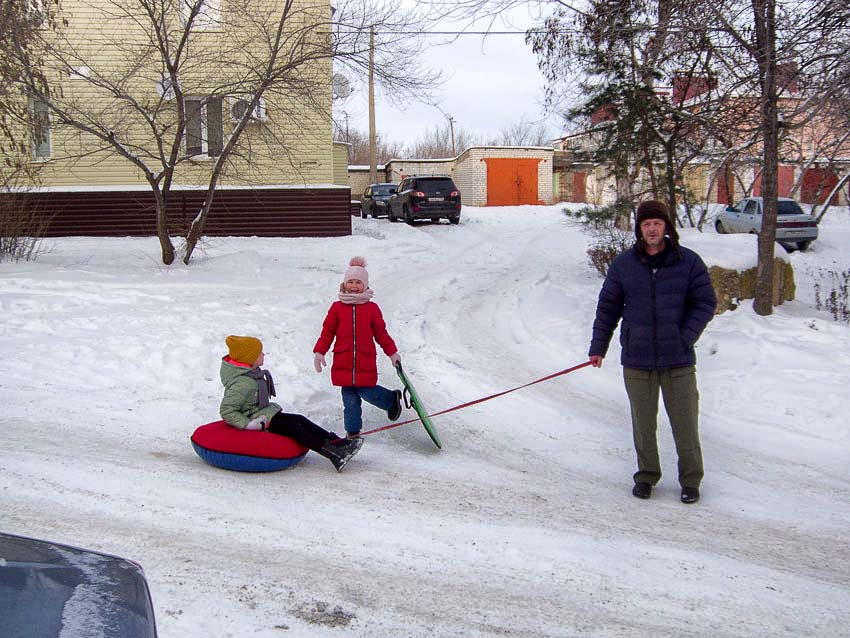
[(681, 400)]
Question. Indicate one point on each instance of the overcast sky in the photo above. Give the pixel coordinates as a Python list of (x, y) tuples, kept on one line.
[(490, 83)]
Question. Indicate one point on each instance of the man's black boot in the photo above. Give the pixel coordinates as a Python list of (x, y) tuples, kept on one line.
[(690, 495), (642, 490)]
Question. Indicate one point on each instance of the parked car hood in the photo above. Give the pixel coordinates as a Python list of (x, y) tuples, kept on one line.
[(48, 590)]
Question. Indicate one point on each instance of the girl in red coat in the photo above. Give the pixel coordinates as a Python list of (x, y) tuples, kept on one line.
[(356, 323)]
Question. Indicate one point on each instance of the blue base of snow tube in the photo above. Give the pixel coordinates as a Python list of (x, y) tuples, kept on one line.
[(230, 448)]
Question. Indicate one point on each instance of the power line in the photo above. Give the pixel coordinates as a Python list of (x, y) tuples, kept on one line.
[(538, 31)]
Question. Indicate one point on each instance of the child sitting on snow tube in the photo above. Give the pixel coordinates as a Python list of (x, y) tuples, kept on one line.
[(246, 405)]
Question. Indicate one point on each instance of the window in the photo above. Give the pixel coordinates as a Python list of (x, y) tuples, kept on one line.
[(204, 130), (752, 208), (785, 207), (435, 184), (207, 14), (40, 123)]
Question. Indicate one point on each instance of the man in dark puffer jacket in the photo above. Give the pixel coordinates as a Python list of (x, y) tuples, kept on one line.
[(663, 294)]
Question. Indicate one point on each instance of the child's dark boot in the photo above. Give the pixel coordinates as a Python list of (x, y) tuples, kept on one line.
[(339, 452), (395, 409)]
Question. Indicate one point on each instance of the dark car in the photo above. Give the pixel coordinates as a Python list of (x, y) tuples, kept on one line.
[(375, 200), (48, 590), (431, 197)]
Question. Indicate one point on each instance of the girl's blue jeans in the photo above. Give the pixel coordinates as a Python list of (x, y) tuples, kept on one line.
[(352, 408)]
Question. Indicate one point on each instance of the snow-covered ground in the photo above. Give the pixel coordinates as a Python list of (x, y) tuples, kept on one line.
[(523, 525)]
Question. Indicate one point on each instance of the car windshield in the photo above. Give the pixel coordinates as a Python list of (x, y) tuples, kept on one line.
[(382, 190), (789, 208), (434, 185)]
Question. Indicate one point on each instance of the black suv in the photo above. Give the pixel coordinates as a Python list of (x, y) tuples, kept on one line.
[(375, 200), (426, 197)]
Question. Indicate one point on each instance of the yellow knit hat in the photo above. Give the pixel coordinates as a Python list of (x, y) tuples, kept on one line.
[(244, 349)]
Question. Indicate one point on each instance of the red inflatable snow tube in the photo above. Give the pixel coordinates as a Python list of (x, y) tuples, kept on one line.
[(245, 450)]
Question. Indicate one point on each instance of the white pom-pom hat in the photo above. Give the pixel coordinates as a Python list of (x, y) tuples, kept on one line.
[(357, 270)]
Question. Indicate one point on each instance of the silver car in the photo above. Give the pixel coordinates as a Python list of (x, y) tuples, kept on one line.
[(794, 228), (48, 590)]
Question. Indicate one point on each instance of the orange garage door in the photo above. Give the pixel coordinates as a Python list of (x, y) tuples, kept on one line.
[(511, 181)]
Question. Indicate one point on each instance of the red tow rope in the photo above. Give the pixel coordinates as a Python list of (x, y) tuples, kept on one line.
[(481, 400)]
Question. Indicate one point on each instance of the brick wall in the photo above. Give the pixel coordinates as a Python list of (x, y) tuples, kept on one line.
[(399, 169), (468, 170), (358, 179), (471, 172)]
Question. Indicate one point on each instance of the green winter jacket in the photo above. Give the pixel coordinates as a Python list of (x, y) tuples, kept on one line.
[(241, 402)]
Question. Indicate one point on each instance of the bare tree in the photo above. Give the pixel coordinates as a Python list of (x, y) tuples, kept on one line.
[(155, 84), (20, 26), (743, 47), (21, 130), (634, 73), (359, 146), (821, 144), (400, 73), (764, 13), (523, 132), (436, 143), (768, 37)]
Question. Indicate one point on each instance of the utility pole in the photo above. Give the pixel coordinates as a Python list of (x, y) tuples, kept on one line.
[(452, 131), (373, 146)]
